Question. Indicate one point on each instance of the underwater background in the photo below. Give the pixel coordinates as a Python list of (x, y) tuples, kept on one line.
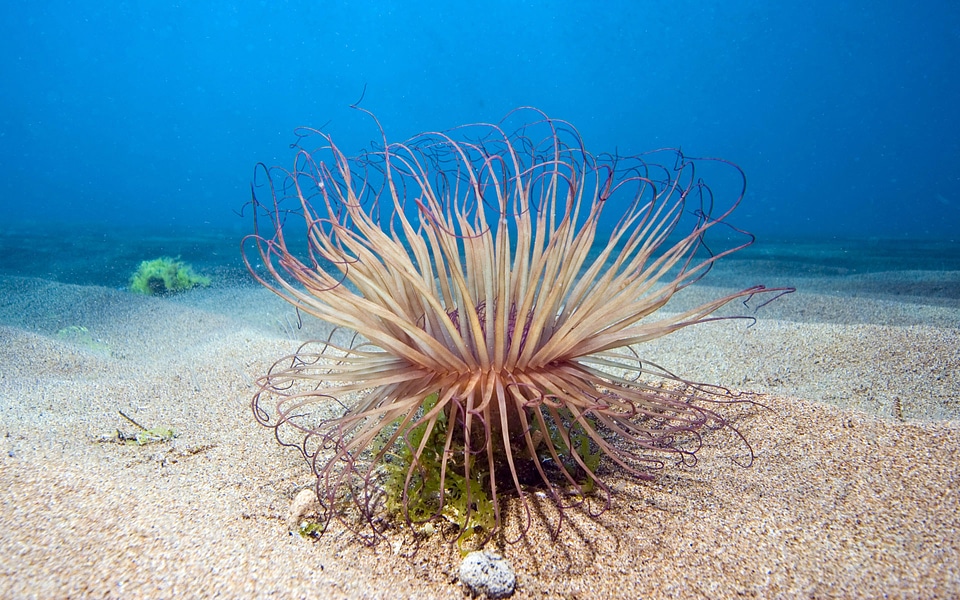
[(130, 130)]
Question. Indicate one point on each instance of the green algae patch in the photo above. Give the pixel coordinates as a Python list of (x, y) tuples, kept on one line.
[(143, 435), (165, 275), (81, 336), (413, 491)]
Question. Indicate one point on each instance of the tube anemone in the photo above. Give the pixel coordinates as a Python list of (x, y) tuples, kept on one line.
[(491, 289)]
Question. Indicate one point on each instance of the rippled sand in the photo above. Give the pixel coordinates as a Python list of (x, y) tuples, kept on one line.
[(854, 490)]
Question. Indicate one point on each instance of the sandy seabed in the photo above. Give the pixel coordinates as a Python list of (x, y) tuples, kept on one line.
[(854, 490)]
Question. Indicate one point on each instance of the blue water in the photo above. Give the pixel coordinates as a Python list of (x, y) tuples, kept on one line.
[(844, 115)]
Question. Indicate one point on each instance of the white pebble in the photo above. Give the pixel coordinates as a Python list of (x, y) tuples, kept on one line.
[(488, 573)]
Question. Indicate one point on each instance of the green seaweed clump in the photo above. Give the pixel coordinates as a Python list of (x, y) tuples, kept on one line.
[(465, 503), (165, 275)]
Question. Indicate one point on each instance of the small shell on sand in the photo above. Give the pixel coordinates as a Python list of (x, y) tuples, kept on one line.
[(304, 505)]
